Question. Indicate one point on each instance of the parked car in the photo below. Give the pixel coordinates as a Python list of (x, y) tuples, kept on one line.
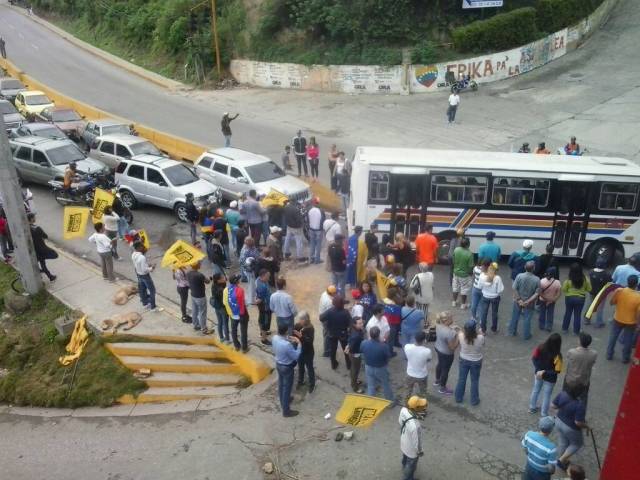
[(66, 119), (37, 129), (10, 87), (30, 103), (40, 159), (112, 149), (99, 128), (12, 119), (237, 171), (160, 181)]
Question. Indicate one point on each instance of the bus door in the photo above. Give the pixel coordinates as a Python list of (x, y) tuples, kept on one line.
[(571, 218), (409, 187)]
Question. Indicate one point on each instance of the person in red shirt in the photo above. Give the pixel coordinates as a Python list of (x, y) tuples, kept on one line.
[(313, 154), (427, 246), (4, 237)]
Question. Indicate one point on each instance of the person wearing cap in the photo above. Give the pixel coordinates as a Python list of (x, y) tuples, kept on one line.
[(519, 258), (286, 350), (197, 281), (550, 291), (491, 288), (299, 144), (356, 337), (232, 216), (541, 451), (411, 434), (338, 260), (626, 318), (225, 126), (281, 304), (325, 304), (490, 249), (622, 272), (192, 217), (526, 288), (315, 217), (234, 302), (427, 246), (294, 222), (471, 352), (598, 277), (274, 243)]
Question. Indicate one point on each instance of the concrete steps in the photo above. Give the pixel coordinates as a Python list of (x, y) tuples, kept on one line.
[(173, 350), (176, 380), (178, 365), (167, 394)]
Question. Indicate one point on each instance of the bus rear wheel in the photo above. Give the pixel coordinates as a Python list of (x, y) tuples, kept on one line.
[(444, 245), (608, 250)]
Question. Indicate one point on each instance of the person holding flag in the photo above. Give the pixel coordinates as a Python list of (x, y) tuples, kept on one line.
[(356, 257), (234, 302)]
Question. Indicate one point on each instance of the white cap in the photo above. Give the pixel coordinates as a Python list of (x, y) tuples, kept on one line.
[(233, 204), (275, 229), (527, 243)]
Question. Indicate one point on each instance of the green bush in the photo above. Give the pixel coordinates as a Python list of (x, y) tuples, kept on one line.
[(554, 15), (501, 32), (424, 53)]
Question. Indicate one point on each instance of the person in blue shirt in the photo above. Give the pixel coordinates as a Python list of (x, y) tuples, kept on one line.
[(286, 351), (570, 420), (541, 451), (412, 319), (490, 249), (376, 359), (622, 272), (519, 258), (263, 297)]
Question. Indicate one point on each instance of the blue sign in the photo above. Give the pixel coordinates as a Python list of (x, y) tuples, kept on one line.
[(482, 3)]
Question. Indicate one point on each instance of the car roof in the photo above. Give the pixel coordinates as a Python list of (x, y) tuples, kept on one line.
[(38, 141), (106, 122), (123, 138), (156, 160), (61, 109), (2, 79), (38, 125), (240, 157), (3, 100), (30, 93)]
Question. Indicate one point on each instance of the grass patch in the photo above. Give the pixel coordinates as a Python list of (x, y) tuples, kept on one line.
[(29, 351)]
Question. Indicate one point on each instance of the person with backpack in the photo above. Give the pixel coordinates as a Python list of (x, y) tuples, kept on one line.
[(598, 277), (411, 435), (575, 290), (421, 286), (519, 259), (547, 364), (550, 291)]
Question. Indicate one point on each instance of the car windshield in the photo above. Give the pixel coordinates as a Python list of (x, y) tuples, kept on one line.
[(66, 116), (180, 175), (49, 132), (144, 148), (115, 129), (37, 100), (11, 85), (65, 154), (263, 172), (6, 108)]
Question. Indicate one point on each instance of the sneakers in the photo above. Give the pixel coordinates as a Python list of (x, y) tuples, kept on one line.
[(533, 411), (436, 383), (290, 413), (454, 303), (464, 306), (445, 391)]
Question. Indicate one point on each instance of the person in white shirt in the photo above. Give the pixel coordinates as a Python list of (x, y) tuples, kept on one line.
[(471, 352), (492, 287), (331, 228), (454, 101), (378, 320), (146, 287), (411, 435), (110, 220), (422, 287), (326, 304), (418, 359), (316, 220), (103, 247)]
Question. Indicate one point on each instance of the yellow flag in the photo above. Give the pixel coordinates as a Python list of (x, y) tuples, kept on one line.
[(181, 254), (274, 197), (382, 283), (360, 410), (79, 339), (361, 268), (101, 199), (74, 222), (144, 238)]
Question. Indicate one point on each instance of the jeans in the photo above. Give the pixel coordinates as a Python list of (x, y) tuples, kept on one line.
[(345, 202), (469, 367), (288, 321), (569, 440), (193, 232), (255, 229), (476, 297), (407, 337), (409, 466), (305, 362), (531, 473), (298, 237), (573, 307), (227, 140), (114, 246), (301, 160), (451, 113), (285, 384), (183, 293), (315, 245), (354, 371), (627, 340), (333, 349), (199, 312), (599, 314), (547, 390), (243, 322), (485, 303), (378, 376), (147, 291), (123, 226), (223, 323), (392, 339), (527, 313), (442, 369), (339, 279), (545, 321), (106, 260), (264, 320)]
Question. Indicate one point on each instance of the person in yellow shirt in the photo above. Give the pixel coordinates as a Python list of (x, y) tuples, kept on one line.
[(626, 318)]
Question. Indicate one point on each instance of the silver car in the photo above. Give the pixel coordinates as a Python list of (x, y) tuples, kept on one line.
[(39, 160), (112, 149), (99, 128), (38, 129), (237, 171), (10, 87), (12, 119), (160, 181)]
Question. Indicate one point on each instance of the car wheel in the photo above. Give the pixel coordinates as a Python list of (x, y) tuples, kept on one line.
[(128, 200), (180, 210), (608, 250)]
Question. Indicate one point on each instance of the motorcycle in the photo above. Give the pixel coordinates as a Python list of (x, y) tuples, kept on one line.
[(79, 195), (463, 84)]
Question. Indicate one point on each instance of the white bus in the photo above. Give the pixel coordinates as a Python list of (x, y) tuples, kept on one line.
[(583, 206)]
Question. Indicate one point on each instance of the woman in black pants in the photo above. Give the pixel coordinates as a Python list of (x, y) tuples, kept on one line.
[(446, 344), (43, 252), (338, 321), (182, 286)]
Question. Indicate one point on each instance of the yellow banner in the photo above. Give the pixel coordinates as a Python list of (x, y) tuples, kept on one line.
[(360, 410), (181, 254), (382, 283), (79, 339), (144, 238), (101, 199), (274, 197), (74, 222)]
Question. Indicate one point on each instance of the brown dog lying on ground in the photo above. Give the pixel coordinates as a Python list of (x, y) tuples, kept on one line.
[(130, 320), (123, 295)]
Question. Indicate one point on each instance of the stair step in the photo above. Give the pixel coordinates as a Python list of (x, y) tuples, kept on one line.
[(170, 379), (169, 394), (179, 365), (172, 350)]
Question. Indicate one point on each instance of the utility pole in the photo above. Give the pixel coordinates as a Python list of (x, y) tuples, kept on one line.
[(216, 47), (13, 205)]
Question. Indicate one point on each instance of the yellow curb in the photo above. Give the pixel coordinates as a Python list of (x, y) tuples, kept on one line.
[(133, 351)]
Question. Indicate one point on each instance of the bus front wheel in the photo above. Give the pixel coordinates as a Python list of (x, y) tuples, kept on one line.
[(608, 250)]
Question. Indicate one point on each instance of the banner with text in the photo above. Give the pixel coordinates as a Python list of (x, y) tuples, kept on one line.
[(482, 3)]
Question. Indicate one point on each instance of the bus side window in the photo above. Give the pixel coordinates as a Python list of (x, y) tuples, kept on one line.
[(618, 196)]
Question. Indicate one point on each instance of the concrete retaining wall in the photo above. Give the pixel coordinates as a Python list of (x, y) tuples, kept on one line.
[(403, 79)]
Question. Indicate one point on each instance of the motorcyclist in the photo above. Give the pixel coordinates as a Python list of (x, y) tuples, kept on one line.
[(572, 148), (524, 148), (542, 149), (70, 177)]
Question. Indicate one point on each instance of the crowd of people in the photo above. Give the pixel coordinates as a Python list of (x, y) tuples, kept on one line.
[(571, 148)]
